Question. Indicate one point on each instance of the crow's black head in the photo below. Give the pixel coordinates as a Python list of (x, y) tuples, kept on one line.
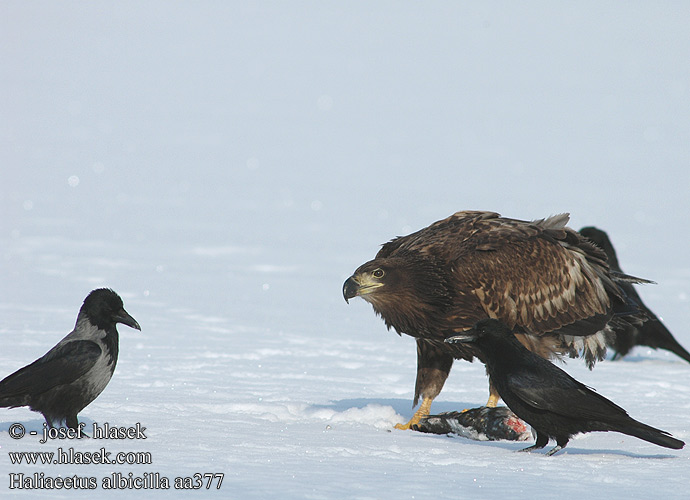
[(104, 308), (601, 239)]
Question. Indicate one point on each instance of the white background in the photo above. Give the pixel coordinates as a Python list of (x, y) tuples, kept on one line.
[(225, 166)]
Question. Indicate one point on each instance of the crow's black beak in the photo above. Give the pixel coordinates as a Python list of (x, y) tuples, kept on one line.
[(123, 317), (463, 338), (350, 289)]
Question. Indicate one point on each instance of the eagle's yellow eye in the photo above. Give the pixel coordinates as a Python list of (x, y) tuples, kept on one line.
[(378, 273)]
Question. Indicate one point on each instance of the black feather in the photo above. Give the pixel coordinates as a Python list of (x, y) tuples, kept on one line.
[(73, 373), (556, 405), (651, 333)]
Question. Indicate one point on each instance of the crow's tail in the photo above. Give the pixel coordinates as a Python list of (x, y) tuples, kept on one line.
[(648, 433)]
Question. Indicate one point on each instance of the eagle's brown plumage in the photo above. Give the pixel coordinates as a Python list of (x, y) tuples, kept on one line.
[(539, 277)]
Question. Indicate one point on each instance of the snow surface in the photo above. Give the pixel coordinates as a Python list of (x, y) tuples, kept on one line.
[(225, 166)]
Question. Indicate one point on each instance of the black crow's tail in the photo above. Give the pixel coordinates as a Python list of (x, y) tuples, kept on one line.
[(650, 434)]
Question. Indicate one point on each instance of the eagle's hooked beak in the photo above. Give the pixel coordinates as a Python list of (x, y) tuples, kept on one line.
[(360, 285), (350, 289)]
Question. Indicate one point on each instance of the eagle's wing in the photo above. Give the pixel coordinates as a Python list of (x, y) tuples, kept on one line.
[(538, 285), (539, 276), (443, 238)]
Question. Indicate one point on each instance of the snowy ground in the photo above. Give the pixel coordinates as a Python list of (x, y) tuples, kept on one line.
[(226, 166)]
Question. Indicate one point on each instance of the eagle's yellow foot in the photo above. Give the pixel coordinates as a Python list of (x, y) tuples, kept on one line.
[(419, 414), (491, 403), (493, 400), (413, 421)]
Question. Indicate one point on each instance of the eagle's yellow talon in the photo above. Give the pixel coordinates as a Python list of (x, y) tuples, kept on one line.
[(405, 427), (423, 412)]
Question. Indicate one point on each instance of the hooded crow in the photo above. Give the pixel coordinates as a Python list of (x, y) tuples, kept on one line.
[(556, 405), (74, 372), (652, 333)]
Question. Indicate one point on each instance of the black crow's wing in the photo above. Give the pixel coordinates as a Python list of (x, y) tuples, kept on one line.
[(61, 365), (561, 394)]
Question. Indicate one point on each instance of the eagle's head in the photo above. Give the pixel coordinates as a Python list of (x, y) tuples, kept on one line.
[(373, 280), (403, 290)]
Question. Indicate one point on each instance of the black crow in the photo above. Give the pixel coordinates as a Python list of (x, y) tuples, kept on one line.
[(555, 404), (74, 372), (652, 333)]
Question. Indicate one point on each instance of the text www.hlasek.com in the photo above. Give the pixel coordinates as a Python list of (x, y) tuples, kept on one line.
[(70, 456)]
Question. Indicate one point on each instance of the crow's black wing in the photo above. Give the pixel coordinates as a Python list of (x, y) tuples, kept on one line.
[(559, 393), (61, 365)]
